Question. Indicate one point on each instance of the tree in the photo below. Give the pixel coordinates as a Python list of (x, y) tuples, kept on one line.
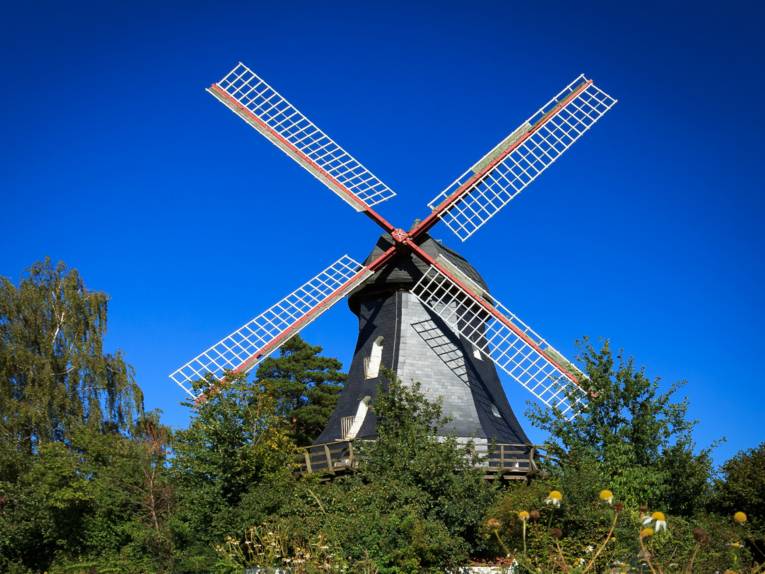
[(741, 486), (54, 373), (71, 466), (305, 386), (235, 441), (638, 437), (98, 499)]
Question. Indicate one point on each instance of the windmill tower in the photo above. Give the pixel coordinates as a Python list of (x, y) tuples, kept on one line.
[(397, 331), (423, 310)]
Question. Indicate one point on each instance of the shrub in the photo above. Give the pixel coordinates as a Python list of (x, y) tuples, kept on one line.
[(603, 534)]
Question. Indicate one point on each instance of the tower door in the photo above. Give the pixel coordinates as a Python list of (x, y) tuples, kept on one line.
[(357, 420)]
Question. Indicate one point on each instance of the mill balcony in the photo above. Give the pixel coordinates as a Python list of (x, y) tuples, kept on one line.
[(498, 461)]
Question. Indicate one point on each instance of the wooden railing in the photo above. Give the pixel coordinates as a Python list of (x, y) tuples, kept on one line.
[(499, 461), (509, 461), (330, 458), (346, 424)]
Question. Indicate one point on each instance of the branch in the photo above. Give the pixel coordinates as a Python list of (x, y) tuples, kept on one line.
[(562, 559), (59, 323)]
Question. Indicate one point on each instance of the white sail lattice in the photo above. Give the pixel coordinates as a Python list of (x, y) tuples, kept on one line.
[(252, 342), (518, 350), (256, 102), (516, 161)]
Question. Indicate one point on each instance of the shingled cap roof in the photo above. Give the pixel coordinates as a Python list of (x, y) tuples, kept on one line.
[(403, 271)]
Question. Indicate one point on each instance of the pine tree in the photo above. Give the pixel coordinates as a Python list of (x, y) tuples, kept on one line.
[(305, 385)]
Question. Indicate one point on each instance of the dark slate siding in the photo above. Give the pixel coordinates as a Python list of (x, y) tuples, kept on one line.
[(439, 380), (487, 391), (377, 317)]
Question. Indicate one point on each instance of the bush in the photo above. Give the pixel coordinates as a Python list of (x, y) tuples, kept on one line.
[(416, 503), (602, 535)]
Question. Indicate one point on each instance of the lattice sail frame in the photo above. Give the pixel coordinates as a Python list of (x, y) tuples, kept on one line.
[(534, 370), (519, 158), (246, 347), (261, 106)]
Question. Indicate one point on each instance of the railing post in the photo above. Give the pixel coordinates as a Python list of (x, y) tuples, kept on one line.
[(328, 455), (350, 455), (501, 456), (307, 455)]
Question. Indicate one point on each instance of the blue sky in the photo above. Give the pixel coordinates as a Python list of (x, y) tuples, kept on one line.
[(647, 232)]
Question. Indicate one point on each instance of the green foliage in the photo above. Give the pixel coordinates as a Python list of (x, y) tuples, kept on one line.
[(384, 522), (236, 440), (595, 536), (275, 549), (89, 483), (415, 505), (304, 385), (102, 495), (639, 438), (741, 485), (54, 374), (410, 450), (67, 414)]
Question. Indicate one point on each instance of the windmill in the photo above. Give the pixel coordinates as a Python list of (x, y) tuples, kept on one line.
[(423, 310)]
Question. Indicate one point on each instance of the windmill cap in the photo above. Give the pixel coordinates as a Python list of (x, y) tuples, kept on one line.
[(405, 268)]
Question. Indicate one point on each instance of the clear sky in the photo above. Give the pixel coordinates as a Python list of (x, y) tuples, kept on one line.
[(647, 232)]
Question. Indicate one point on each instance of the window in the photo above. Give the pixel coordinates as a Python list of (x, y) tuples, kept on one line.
[(495, 411), (372, 364)]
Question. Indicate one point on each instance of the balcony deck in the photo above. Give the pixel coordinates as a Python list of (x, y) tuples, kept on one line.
[(498, 461)]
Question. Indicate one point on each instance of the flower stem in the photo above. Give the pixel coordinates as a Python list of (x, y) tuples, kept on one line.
[(689, 570), (563, 564), (591, 563), (647, 557), (502, 544)]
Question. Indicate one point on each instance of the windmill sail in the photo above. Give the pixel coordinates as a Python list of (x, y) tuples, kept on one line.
[(509, 342), (497, 178), (257, 103), (255, 340), (472, 324)]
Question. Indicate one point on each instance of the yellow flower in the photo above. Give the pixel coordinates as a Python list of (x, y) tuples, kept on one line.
[(523, 515), (606, 496), (554, 498), (659, 520), (646, 533), (740, 517)]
